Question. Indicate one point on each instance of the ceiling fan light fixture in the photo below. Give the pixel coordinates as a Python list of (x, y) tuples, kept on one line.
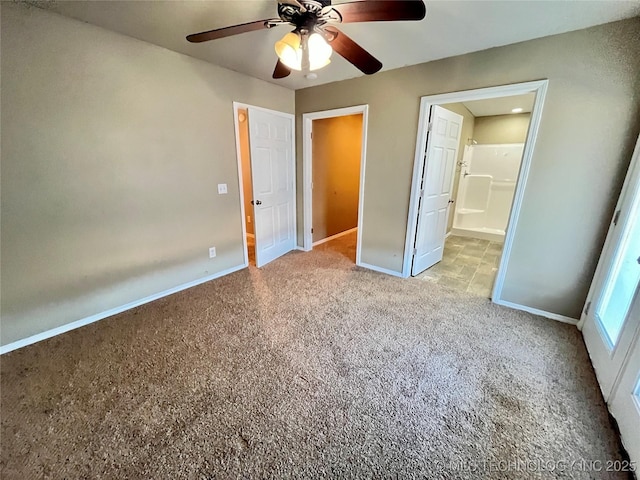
[(319, 52), (289, 50)]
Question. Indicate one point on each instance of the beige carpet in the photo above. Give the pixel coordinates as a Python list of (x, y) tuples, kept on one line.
[(307, 368)]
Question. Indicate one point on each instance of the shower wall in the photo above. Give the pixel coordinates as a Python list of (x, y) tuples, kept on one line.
[(465, 138), (486, 190)]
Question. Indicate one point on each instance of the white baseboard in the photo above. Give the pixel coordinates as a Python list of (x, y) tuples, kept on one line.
[(99, 316), (535, 311), (298, 247), (381, 270), (337, 235)]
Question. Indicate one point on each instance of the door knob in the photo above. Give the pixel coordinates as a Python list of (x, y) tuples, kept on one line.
[(450, 201), (258, 202)]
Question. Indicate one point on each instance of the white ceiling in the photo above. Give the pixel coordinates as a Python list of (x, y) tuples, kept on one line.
[(450, 28), (501, 105)]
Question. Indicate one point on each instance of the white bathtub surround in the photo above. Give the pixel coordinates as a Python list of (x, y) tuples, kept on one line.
[(486, 189)]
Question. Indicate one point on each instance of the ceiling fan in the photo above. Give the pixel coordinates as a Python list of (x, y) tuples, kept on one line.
[(309, 46)]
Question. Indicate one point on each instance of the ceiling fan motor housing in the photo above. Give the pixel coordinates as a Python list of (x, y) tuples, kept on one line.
[(303, 19)]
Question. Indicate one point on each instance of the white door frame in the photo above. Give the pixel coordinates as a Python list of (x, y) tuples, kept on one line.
[(594, 332), (307, 169), (616, 366), (538, 87), (631, 184), (292, 118)]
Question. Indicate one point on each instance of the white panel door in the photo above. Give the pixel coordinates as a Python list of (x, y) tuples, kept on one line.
[(611, 320), (435, 187), (607, 323), (625, 398), (273, 179)]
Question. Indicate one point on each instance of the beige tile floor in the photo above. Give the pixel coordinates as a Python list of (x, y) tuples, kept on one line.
[(468, 264)]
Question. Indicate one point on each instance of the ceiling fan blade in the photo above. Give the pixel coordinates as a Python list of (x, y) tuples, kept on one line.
[(352, 52), (381, 10), (281, 70), (228, 31)]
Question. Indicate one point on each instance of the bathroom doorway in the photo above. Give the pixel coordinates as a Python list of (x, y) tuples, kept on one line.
[(483, 180), (489, 155)]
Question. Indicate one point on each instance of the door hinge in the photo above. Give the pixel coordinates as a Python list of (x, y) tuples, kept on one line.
[(421, 192), (616, 217), (415, 251), (429, 126), (311, 229), (586, 308)]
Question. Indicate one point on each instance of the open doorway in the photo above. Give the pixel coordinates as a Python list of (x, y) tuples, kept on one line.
[(265, 152), (242, 125), (333, 170), (473, 155), (490, 147)]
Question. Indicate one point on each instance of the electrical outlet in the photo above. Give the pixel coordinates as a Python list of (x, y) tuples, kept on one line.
[(248, 218), (222, 188), (212, 252)]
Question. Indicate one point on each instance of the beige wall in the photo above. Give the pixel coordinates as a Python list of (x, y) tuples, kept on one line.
[(578, 165), (111, 152), (337, 153), (468, 125), (499, 129), (245, 159)]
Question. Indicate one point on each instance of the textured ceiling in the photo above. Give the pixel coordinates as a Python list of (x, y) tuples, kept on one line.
[(450, 28)]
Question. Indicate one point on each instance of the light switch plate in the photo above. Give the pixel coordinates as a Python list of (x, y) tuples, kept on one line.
[(222, 188), (212, 252)]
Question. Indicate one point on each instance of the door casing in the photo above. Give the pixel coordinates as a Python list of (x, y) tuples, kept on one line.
[(604, 356), (617, 367)]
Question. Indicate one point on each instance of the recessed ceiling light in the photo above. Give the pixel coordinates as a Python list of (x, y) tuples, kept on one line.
[(516, 110)]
